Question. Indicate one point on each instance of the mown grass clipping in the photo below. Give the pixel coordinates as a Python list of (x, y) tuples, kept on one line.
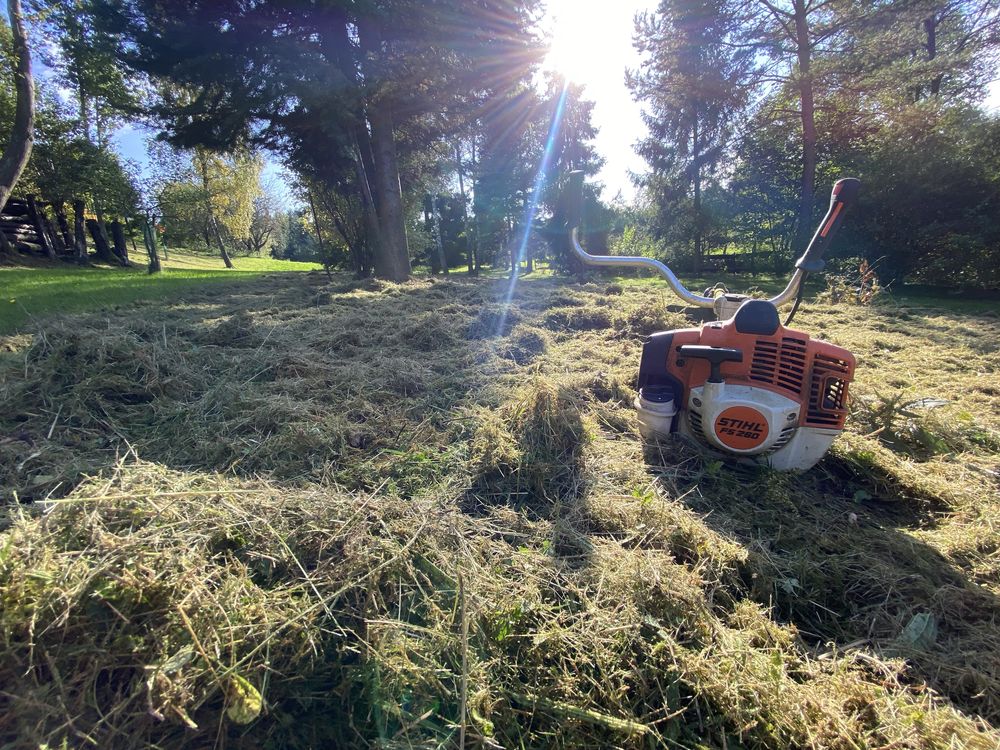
[(306, 514)]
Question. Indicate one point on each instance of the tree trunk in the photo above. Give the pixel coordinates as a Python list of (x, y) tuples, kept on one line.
[(80, 235), (149, 239), (367, 155), (367, 200), (461, 177), (121, 249), (930, 27), (319, 232), (36, 219), (22, 136), (131, 236), (55, 238), (104, 250), (102, 227), (442, 260), (6, 249), (339, 47), (84, 109), (63, 222), (476, 210), (470, 254), (392, 256), (696, 158), (356, 253), (808, 106), (222, 245), (101, 243), (432, 257), (212, 224), (326, 259)]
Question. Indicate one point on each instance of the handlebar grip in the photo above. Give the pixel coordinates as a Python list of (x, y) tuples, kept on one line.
[(715, 355), (574, 199), (844, 193)]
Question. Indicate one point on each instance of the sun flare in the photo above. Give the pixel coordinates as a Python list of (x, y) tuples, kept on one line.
[(570, 56)]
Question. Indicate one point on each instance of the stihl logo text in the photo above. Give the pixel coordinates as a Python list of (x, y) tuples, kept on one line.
[(741, 428)]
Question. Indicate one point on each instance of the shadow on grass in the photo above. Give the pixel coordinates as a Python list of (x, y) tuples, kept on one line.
[(374, 387), (842, 559)]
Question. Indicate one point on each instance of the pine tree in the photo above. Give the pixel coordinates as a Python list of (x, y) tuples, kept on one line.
[(331, 85), (693, 82)]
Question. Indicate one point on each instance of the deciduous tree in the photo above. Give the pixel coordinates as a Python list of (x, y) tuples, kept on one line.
[(17, 149)]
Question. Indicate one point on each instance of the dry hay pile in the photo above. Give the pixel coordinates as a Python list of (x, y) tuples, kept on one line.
[(401, 516)]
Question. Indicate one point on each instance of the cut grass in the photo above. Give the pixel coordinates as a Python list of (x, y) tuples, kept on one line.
[(28, 293), (368, 514)]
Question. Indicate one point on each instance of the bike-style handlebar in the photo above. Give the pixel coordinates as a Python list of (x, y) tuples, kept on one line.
[(844, 193)]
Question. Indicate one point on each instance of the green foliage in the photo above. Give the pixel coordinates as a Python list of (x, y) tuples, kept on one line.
[(183, 211), (894, 88), (294, 238), (693, 83), (229, 183), (932, 194), (65, 165), (344, 81), (200, 186), (8, 95), (85, 58)]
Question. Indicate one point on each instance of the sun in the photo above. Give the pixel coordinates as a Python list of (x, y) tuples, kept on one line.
[(570, 56)]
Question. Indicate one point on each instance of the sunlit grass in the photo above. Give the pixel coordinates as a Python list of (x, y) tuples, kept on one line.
[(30, 292)]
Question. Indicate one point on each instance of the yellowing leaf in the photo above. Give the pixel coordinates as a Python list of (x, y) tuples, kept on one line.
[(244, 701)]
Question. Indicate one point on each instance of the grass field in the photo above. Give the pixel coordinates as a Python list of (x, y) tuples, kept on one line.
[(28, 292), (290, 513)]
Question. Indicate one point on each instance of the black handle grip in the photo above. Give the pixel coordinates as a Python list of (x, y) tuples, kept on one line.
[(715, 356), (574, 199), (845, 192)]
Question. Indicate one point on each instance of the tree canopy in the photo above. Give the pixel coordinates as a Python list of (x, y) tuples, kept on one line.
[(770, 102)]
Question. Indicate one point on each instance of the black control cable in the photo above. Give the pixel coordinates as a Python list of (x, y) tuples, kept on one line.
[(798, 300)]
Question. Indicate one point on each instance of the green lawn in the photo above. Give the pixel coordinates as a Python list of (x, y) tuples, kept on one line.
[(29, 292)]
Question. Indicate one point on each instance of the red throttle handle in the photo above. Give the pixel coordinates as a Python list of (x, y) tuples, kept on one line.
[(845, 192)]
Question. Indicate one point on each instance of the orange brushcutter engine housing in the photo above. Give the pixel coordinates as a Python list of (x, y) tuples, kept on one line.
[(746, 386)]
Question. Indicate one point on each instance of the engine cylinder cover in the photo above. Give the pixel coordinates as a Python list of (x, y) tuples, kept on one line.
[(742, 419)]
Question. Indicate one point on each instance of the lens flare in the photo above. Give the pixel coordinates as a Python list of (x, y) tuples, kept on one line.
[(531, 209)]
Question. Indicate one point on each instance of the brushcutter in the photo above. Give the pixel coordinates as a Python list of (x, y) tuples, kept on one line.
[(744, 385)]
